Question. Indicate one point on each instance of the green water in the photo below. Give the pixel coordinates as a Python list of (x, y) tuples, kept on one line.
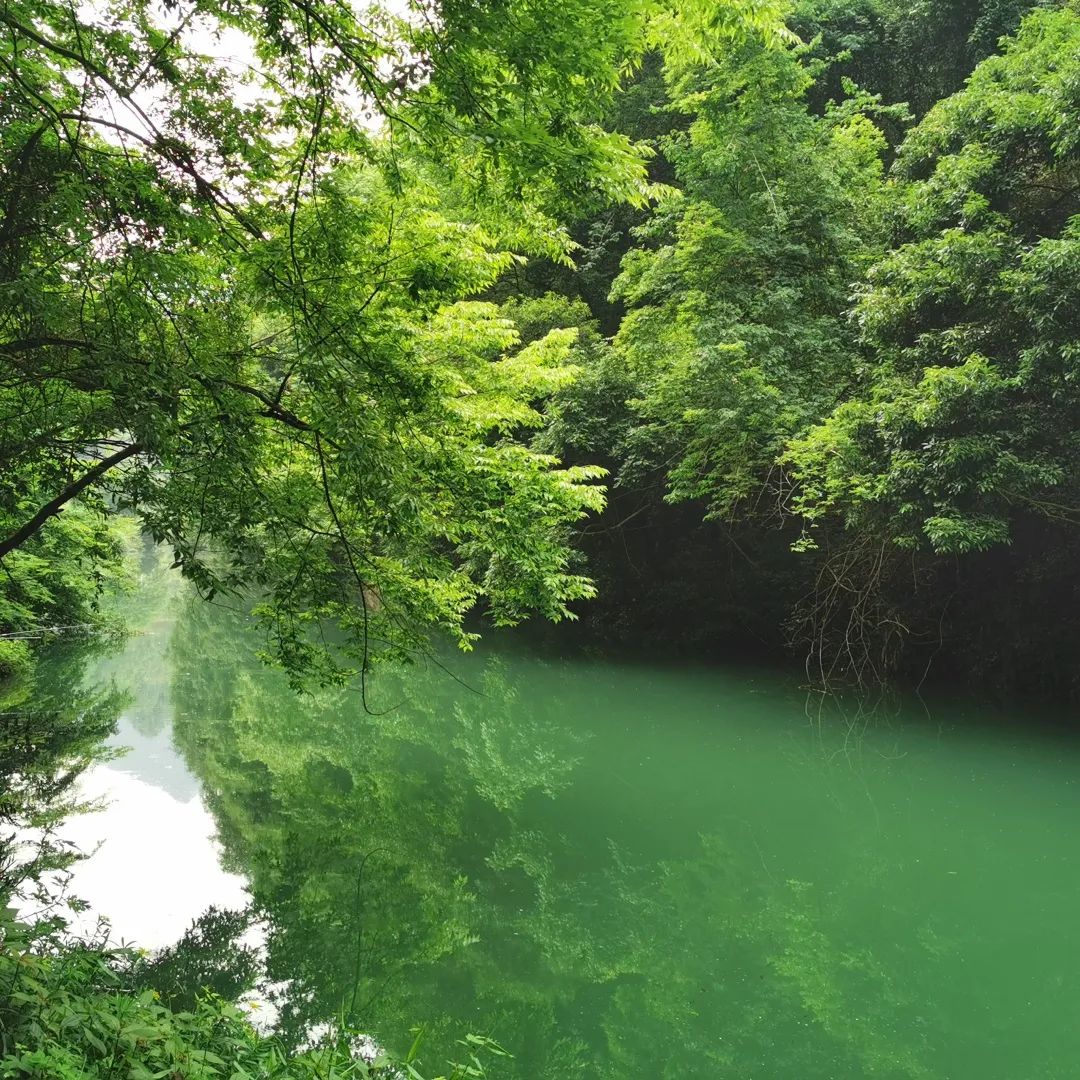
[(617, 870)]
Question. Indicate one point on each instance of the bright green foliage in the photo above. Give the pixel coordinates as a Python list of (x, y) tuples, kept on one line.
[(57, 580), (233, 307), (323, 410), (837, 321), (585, 420), (968, 418), (15, 658), (735, 329), (77, 1013), (271, 374)]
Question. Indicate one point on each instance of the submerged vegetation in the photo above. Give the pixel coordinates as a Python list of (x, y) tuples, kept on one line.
[(712, 325)]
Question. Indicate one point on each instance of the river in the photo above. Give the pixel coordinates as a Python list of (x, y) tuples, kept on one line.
[(616, 870)]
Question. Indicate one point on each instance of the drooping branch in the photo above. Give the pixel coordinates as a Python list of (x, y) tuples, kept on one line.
[(55, 505)]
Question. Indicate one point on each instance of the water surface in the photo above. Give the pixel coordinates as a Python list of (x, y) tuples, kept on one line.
[(617, 870)]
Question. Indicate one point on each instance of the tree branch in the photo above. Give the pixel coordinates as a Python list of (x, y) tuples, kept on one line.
[(54, 506), (44, 342)]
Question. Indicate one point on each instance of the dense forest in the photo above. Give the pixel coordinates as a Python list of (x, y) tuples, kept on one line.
[(756, 324), (719, 328)]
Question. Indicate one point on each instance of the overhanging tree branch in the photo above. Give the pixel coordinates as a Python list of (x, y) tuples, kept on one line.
[(54, 506)]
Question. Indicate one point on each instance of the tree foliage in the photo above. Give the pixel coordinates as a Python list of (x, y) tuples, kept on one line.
[(229, 307), (967, 419), (737, 296), (850, 334)]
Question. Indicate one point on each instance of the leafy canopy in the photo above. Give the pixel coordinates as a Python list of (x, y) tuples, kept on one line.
[(968, 418), (239, 298)]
